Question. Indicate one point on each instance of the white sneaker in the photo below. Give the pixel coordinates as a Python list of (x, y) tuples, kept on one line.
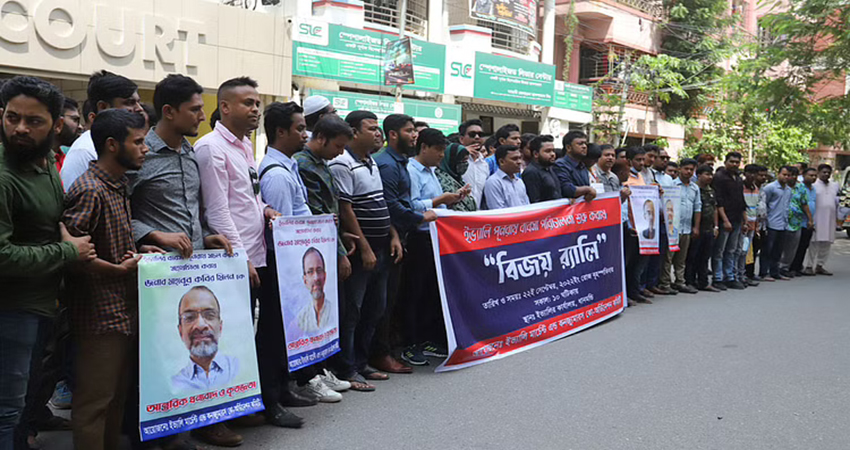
[(322, 391), (330, 380)]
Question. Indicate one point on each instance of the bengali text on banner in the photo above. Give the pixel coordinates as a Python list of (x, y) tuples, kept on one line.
[(516, 278)]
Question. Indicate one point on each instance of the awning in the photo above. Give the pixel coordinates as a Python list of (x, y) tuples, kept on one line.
[(484, 108)]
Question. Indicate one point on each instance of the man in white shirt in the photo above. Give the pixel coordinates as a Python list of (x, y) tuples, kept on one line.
[(106, 90)]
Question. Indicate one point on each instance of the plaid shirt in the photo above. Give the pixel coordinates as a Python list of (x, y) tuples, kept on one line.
[(322, 191), (98, 205)]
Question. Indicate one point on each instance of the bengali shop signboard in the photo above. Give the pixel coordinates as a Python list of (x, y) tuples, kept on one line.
[(513, 80), (335, 52), (520, 14), (197, 361), (441, 116), (517, 278), (576, 97)]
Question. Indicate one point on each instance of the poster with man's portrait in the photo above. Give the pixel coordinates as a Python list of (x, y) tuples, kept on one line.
[(645, 204), (672, 199), (197, 360), (305, 249)]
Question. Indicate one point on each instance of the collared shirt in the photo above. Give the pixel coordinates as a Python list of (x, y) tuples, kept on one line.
[(396, 179), (796, 216), (662, 179), (424, 186), (230, 186), (166, 192), (608, 179), (77, 159), (223, 369), (777, 199), (690, 204), (282, 187), (648, 175), (635, 178), (322, 192), (503, 191), (729, 189), (32, 255), (541, 183), (98, 205), (359, 182), (812, 193), (572, 174), (307, 321), (476, 176)]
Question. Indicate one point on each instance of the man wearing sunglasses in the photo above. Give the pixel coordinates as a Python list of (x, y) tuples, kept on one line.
[(472, 137)]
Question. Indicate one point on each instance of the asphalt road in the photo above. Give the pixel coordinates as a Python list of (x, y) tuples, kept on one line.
[(765, 368)]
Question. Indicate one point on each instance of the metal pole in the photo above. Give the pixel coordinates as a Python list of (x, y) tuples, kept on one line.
[(402, 24)]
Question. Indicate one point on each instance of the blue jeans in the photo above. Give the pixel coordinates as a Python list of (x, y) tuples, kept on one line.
[(771, 253), (22, 339), (364, 305), (726, 251)]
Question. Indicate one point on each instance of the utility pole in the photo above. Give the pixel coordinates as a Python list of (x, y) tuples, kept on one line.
[(402, 24)]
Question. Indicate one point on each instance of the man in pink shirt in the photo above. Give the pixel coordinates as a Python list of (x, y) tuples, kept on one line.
[(232, 207)]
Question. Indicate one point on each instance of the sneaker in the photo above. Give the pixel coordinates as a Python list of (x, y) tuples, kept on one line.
[(330, 380), (735, 285), (61, 398), (437, 351), (720, 285), (318, 389), (413, 355)]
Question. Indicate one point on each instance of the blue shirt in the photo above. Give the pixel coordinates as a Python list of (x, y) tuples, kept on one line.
[(282, 187), (396, 179), (778, 200), (663, 179), (223, 369), (691, 203), (424, 186), (812, 198), (572, 174), (502, 191)]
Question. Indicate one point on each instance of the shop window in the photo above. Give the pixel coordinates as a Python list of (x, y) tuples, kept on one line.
[(385, 12)]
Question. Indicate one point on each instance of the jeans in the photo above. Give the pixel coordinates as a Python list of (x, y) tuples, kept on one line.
[(771, 253), (365, 302), (699, 253), (742, 256), (726, 252), (22, 338)]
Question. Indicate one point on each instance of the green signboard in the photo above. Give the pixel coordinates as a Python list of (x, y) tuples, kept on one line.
[(573, 96), (340, 53), (441, 116), (513, 80)]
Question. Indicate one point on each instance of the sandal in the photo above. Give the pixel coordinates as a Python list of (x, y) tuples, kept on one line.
[(358, 383), (371, 373)]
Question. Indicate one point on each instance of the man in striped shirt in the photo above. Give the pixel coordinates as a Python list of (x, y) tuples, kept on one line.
[(363, 212)]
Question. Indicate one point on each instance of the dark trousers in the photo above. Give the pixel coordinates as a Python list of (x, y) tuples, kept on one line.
[(652, 274), (699, 254), (771, 253), (802, 247), (271, 343), (422, 311), (635, 262), (365, 302), (756, 244), (385, 339), (23, 336)]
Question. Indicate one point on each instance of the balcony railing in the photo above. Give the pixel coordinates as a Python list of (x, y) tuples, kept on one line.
[(632, 97), (654, 8), (386, 13)]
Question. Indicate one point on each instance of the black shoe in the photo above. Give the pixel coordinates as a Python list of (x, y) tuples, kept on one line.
[(786, 273), (735, 285), (279, 416), (687, 289), (752, 283), (292, 399), (719, 285)]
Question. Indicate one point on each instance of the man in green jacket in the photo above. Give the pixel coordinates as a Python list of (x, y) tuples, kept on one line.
[(34, 247)]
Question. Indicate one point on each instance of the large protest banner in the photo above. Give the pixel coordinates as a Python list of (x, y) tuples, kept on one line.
[(516, 278), (197, 361), (644, 202), (672, 202), (305, 249)]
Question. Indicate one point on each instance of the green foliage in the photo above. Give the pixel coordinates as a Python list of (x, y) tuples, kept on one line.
[(570, 22)]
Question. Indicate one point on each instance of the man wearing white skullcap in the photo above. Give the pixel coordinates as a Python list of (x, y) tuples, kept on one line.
[(316, 107)]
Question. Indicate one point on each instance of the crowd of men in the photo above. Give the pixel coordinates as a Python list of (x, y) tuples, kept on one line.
[(85, 191)]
